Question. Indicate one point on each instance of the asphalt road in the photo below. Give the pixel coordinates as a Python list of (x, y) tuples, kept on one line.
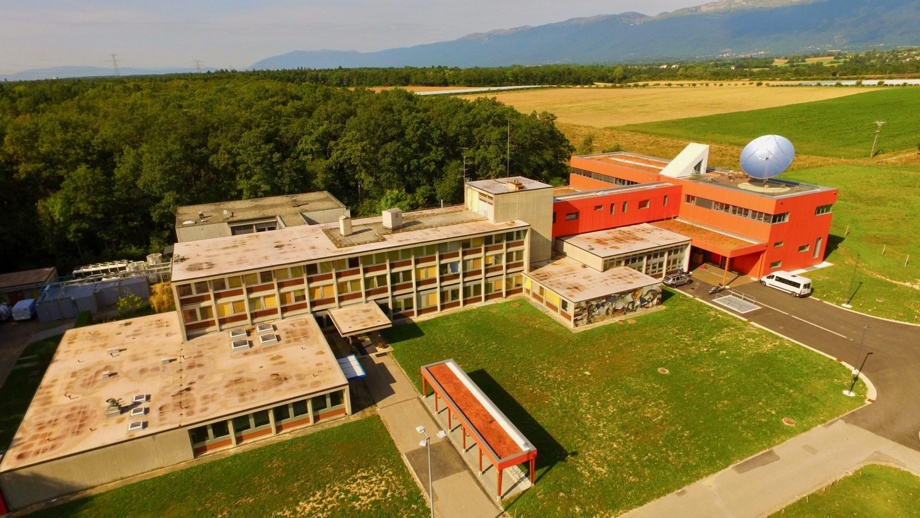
[(893, 367)]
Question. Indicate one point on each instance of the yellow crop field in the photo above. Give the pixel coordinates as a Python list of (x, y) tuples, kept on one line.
[(607, 107)]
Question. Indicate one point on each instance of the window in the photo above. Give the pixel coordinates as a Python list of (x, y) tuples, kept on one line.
[(321, 292), (404, 305), (804, 248), (283, 274), (451, 295), (776, 264), (472, 265), (665, 203), (312, 269), (336, 398), (197, 314), (823, 209), (184, 290), (472, 290), (265, 277), (319, 403), (429, 272), (644, 204), (554, 218), (493, 260), (234, 282), (400, 277), (565, 305), (598, 207), (777, 244), (624, 207), (201, 288), (781, 218), (571, 216), (267, 302), (352, 286), (241, 424), (260, 419), (236, 307), (251, 279), (219, 284), (378, 281), (613, 208), (292, 297), (690, 199)]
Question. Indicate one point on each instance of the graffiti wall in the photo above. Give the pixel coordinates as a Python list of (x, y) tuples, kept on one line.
[(618, 304)]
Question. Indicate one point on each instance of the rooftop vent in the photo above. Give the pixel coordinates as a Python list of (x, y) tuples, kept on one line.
[(239, 345), (345, 226), (139, 411), (265, 328), (200, 215), (228, 213), (115, 351), (268, 339), (108, 374), (392, 218), (136, 426)]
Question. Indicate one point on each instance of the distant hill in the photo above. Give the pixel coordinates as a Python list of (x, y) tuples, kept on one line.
[(728, 28)]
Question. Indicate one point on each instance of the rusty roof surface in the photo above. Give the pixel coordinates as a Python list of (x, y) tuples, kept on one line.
[(185, 383), (510, 184), (294, 245), (704, 234), (27, 277), (625, 240), (288, 207), (576, 282)]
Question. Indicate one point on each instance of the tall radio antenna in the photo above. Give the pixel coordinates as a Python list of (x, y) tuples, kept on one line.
[(115, 65)]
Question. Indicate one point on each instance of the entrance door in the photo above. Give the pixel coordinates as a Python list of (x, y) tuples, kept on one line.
[(818, 248)]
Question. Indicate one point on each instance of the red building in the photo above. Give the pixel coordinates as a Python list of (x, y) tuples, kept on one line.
[(738, 223)]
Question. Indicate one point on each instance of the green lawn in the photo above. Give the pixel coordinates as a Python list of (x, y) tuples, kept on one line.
[(837, 128), (19, 388), (349, 470), (875, 210), (873, 491), (611, 430)]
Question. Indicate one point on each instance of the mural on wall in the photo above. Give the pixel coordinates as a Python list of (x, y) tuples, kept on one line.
[(618, 304)]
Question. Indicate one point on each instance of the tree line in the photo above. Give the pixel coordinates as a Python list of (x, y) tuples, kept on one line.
[(93, 169)]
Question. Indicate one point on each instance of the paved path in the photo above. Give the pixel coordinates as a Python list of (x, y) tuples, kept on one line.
[(456, 489), (777, 477)]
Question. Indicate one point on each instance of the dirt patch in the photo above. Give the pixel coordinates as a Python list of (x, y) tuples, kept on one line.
[(357, 494)]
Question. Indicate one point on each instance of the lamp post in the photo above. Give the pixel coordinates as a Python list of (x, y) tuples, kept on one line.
[(852, 280), (427, 444), (856, 376), (861, 342)]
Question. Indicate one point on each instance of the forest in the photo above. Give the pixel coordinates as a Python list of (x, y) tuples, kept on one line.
[(93, 169)]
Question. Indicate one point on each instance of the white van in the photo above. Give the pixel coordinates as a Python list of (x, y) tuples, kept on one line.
[(798, 286)]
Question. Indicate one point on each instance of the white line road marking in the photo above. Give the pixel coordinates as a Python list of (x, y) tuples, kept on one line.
[(803, 320)]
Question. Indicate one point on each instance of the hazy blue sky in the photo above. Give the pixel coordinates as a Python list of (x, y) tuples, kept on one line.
[(237, 33)]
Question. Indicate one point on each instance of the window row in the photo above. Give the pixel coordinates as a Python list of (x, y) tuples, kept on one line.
[(602, 177)]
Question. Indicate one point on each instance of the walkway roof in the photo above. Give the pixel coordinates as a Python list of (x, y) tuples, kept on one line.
[(359, 318)]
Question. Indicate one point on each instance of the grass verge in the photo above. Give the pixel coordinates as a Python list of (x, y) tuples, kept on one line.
[(19, 388), (611, 430), (349, 470), (874, 490)]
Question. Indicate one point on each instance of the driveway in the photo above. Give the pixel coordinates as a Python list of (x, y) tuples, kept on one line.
[(893, 366)]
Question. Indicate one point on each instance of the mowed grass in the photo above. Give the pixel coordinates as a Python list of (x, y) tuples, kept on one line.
[(606, 107), (19, 388), (873, 491), (612, 431), (838, 128), (349, 470)]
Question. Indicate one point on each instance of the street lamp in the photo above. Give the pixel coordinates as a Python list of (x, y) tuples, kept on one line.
[(852, 280), (861, 341), (427, 444), (856, 376)]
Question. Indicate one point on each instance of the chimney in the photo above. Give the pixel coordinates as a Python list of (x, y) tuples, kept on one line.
[(392, 218), (345, 226)]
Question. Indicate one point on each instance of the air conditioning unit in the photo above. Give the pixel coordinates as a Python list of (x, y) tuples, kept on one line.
[(268, 339), (136, 426), (239, 345)]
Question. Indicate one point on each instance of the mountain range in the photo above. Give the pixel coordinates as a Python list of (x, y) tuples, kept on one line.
[(727, 28)]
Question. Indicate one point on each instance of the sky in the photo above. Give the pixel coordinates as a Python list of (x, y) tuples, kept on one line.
[(234, 34)]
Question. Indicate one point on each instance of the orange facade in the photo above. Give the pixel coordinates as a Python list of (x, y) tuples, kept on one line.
[(577, 214), (781, 229)]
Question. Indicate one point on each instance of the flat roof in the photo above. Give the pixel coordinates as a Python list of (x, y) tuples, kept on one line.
[(510, 184), (289, 208), (706, 235), (624, 240), (576, 282), (359, 318), (265, 250), (27, 278), (735, 180), (184, 383), (571, 193)]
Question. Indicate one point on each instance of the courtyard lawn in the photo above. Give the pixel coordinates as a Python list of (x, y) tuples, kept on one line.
[(612, 431), (873, 491), (19, 388), (349, 470)]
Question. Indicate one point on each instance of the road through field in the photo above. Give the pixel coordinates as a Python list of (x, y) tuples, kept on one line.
[(605, 107)]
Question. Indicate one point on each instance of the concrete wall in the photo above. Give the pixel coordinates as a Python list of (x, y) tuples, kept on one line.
[(534, 207), (325, 216), (198, 231), (59, 477)]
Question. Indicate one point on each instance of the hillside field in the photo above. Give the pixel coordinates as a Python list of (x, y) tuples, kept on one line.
[(606, 107)]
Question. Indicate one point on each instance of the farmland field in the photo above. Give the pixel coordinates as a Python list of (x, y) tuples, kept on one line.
[(613, 430), (606, 107)]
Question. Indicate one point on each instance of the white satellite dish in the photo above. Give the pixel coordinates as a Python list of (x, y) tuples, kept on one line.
[(767, 156)]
